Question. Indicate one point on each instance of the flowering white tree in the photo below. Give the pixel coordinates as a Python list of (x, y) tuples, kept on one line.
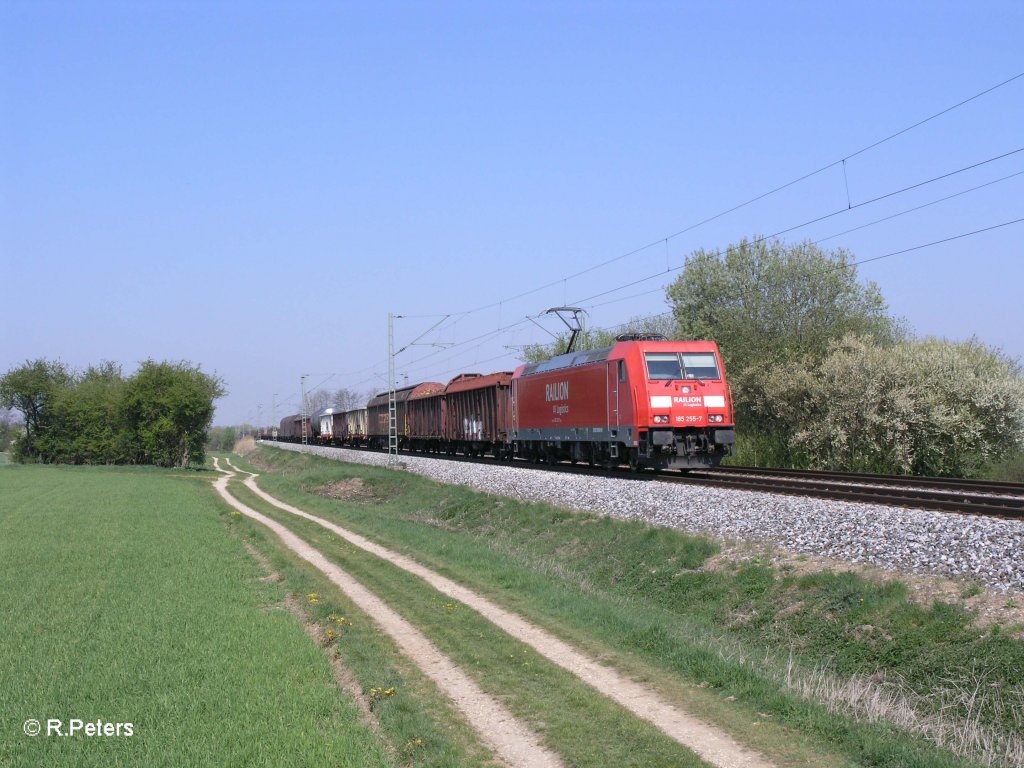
[(924, 406)]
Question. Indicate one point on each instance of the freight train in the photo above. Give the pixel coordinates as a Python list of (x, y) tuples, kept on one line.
[(641, 402)]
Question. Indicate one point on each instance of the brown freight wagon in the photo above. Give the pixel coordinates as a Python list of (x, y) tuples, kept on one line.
[(290, 430), (377, 414), (478, 414), (425, 417)]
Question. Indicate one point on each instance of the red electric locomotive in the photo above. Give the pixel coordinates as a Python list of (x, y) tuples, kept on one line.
[(660, 404)]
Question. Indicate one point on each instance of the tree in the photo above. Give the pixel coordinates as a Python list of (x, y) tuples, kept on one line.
[(345, 399), (765, 301), (170, 407), (317, 400), (30, 389)]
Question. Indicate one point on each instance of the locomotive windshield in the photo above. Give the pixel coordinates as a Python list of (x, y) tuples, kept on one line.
[(700, 365), (667, 366)]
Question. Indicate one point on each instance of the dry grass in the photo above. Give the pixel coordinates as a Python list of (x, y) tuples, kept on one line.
[(245, 446), (353, 489), (949, 716)]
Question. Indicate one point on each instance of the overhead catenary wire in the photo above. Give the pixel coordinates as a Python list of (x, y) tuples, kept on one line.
[(460, 368), (841, 161), (904, 212), (752, 200), (662, 273), (845, 265), (456, 316), (818, 219), (858, 262)]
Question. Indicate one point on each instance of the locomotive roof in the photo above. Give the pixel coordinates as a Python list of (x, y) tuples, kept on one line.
[(584, 357), (568, 361)]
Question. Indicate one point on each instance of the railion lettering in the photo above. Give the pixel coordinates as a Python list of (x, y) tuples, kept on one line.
[(557, 391)]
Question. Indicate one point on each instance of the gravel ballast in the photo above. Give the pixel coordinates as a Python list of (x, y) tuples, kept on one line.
[(981, 549)]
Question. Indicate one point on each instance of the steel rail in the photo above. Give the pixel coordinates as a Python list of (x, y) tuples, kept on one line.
[(942, 500), (956, 484)]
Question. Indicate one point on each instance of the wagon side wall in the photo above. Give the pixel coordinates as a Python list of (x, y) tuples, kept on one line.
[(425, 417), (478, 415)]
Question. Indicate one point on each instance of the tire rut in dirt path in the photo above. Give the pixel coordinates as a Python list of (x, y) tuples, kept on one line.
[(510, 740), (709, 742)]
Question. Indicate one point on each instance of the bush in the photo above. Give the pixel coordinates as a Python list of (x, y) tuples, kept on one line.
[(928, 407), (222, 438), (1010, 469)]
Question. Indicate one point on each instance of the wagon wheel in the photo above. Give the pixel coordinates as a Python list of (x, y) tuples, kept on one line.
[(634, 460)]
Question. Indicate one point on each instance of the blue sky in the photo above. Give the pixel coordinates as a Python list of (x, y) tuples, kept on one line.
[(253, 186)]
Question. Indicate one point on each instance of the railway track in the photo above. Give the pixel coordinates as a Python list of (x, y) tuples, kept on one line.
[(973, 497), (988, 498)]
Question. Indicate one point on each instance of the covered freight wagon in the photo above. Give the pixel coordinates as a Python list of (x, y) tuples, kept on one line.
[(290, 429), (328, 426), (353, 430)]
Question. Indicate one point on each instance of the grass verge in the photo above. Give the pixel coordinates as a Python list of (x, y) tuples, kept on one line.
[(643, 599)]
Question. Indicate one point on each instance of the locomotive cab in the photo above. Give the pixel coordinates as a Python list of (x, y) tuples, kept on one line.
[(687, 410)]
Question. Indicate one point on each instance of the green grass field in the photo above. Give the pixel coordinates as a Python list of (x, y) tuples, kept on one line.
[(638, 597), (125, 598)]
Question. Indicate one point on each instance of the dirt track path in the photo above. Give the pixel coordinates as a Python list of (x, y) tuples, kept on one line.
[(708, 741), (511, 741)]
